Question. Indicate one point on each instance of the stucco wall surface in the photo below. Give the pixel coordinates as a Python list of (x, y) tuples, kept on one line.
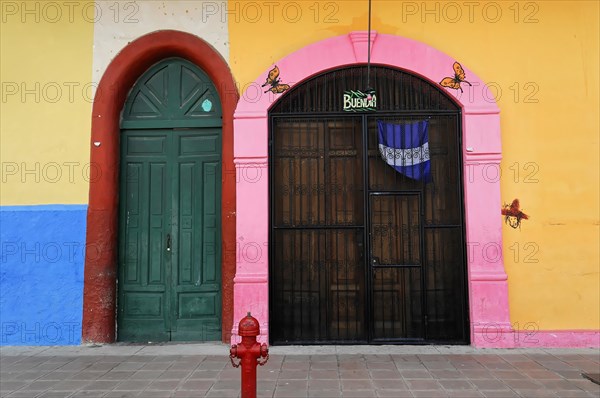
[(128, 20), (41, 274)]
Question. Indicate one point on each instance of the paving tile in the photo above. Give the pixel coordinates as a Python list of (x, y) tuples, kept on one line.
[(394, 393), (235, 374), (163, 385), (509, 375), (58, 375), (70, 385), (323, 358), (289, 393), (294, 374), (112, 375), (88, 375), (489, 384), (297, 358), (575, 394), (88, 394), (385, 358), (359, 393), (124, 394), (29, 375), (446, 374), (354, 374), (536, 393), (429, 393), (477, 374), (351, 385), (188, 394), (323, 374), (500, 394), (291, 385), (25, 394), (52, 394), (174, 374), (11, 385), (415, 385), (324, 366), (324, 385), (156, 366), (132, 385), (324, 393), (192, 385), (542, 375), (587, 385), (586, 365), (522, 384), (204, 374), (439, 365), (156, 394), (415, 374), (223, 394), (396, 384), (463, 394), (40, 385), (381, 366), (456, 384), (101, 385), (385, 374), (296, 365), (125, 366)]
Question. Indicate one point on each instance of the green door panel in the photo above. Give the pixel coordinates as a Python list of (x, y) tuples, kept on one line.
[(196, 272), (170, 208), (144, 222)]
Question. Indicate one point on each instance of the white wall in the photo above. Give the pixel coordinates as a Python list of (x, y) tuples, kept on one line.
[(119, 22)]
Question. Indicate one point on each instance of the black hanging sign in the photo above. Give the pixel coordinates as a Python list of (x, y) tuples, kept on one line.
[(358, 101)]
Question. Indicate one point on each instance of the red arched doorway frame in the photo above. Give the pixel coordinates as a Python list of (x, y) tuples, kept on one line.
[(99, 292)]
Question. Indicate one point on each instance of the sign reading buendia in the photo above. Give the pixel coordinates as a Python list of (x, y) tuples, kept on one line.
[(358, 101)]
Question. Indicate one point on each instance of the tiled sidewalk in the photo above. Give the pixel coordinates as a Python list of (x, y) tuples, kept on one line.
[(190, 371)]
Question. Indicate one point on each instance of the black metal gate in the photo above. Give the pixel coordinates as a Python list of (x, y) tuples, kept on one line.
[(360, 253)]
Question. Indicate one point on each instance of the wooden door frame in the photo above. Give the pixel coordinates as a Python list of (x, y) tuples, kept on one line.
[(99, 294)]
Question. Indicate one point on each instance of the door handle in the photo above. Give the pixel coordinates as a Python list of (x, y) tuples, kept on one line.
[(168, 242)]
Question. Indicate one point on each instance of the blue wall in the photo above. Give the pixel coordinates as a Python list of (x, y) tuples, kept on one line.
[(42, 251)]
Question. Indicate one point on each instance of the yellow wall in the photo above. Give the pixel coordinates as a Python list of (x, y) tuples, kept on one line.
[(552, 132), (48, 135)]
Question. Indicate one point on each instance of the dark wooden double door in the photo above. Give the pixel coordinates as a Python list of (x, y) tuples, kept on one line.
[(358, 252)]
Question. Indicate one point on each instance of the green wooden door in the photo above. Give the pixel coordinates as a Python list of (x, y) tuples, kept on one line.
[(170, 208)]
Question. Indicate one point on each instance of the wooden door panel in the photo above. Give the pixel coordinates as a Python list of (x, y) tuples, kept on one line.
[(196, 267), (144, 223), (169, 221), (395, 230)]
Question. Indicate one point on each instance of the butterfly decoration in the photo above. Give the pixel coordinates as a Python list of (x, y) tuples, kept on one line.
[(513, 214), (459, 77), (273, 80)]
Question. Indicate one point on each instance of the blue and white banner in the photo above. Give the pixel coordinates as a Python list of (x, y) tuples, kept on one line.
[(405, 147)]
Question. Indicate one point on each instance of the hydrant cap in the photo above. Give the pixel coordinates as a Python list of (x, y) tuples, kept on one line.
[(249, 326)]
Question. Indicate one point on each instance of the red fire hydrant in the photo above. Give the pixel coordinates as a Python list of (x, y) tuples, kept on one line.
[(249, 353)]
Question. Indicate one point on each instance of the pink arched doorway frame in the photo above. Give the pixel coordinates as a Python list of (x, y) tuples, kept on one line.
[(487, 280), (99, 292)]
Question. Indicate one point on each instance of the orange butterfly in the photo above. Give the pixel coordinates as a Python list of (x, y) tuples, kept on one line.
[(459, 77), (273, 80)]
